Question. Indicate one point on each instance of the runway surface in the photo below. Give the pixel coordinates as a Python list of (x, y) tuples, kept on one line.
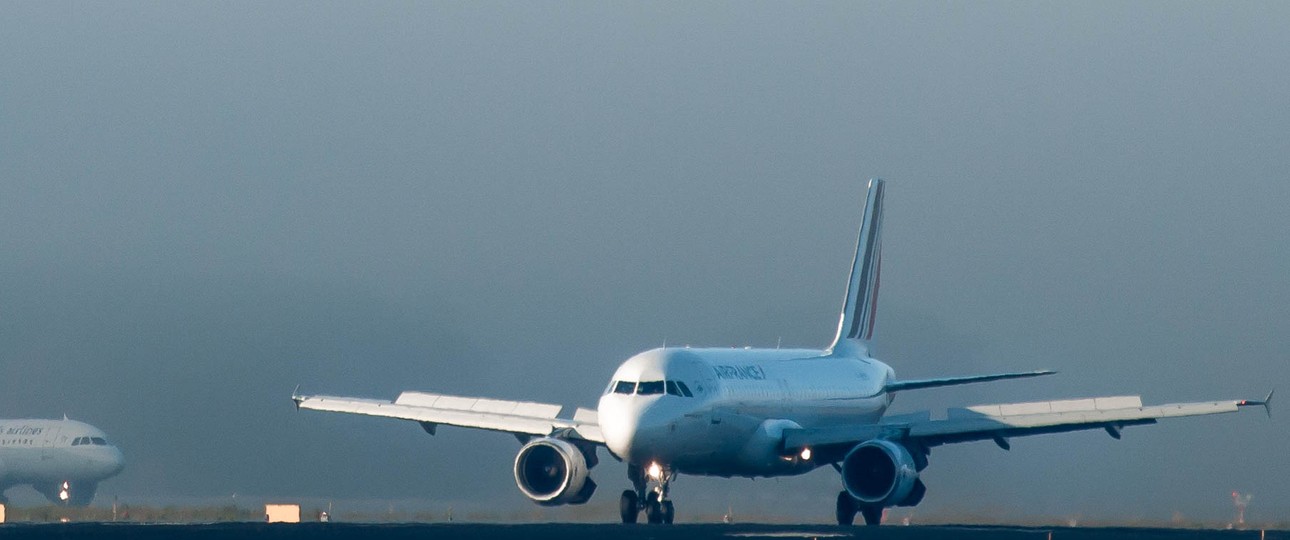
[(617, 532)]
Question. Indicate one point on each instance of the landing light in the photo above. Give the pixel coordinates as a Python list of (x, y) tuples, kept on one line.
[(654, 471), (806, 454)]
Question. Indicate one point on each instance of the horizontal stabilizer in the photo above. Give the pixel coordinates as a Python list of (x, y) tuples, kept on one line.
[(896, 386), (1265, 402)]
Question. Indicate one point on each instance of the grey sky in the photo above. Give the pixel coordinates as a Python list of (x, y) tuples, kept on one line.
[(204, 204)]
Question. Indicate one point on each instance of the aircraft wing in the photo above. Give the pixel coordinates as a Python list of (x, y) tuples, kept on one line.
[(896, 386), (1000, 422), (520, 418)]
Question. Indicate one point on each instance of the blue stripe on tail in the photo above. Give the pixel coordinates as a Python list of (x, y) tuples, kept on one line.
[(860, 307)]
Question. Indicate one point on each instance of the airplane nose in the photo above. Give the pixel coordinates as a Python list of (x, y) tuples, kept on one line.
[(616, 424), (115, 461), (632, 432), (618, 435)]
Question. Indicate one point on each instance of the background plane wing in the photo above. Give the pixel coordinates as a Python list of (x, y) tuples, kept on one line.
[(431, 410), (1000, 422)]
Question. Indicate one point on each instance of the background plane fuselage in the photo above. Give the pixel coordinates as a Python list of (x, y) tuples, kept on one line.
[(48, 453)]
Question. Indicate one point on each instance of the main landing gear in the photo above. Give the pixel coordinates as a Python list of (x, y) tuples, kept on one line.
[(848, 506), (653, 500)]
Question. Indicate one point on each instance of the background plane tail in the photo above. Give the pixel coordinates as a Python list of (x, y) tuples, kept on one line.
[(860, 307)]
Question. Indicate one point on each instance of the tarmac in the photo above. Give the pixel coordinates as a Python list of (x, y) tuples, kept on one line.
[(561, 531)]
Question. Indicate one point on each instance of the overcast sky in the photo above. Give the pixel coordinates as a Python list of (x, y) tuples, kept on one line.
[(205, 204)]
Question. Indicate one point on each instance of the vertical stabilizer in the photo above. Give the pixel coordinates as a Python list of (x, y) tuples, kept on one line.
[(860, 306)]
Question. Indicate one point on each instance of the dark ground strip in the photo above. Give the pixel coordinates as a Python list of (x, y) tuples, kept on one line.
[(324, 531)]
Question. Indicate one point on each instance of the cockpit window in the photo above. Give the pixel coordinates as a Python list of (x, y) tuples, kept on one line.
[(643, 388), (79, 441), (649, 387), (99, 441)]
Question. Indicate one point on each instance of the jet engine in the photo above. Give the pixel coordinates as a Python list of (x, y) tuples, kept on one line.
[(882, 473), (553, 471)]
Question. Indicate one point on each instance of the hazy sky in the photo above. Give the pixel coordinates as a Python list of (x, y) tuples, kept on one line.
[(205, 204)]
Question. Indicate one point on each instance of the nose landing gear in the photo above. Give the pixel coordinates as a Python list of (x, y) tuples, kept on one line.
[(658, 511), (652, 499)]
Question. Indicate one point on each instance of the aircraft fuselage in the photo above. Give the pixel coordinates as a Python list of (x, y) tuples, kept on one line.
[(63, 459), (739, 402)]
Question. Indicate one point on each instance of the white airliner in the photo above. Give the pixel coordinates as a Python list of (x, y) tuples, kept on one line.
[(761, 412), (62, 459)]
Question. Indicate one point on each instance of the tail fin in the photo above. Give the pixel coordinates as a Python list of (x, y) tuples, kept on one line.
[(860, 307)]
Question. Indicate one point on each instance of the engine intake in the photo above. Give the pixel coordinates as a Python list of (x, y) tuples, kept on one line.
[(553, 471), (881, 473)]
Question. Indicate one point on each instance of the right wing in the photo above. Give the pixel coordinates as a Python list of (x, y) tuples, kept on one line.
[(1000, 422), (520, 418)]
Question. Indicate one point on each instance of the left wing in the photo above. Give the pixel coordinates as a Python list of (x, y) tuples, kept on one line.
[(1000, 422), (521, 418)]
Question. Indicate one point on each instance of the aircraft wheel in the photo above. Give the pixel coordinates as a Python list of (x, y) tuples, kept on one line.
[(846, 508), (653, 510), (627, 508), (872, 515), (669, 512)]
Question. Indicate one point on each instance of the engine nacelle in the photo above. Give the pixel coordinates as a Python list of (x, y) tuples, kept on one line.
[(553, 471), (881, 473)]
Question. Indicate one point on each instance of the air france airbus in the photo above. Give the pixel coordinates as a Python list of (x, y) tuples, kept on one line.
[(761, 413), (62, 459)]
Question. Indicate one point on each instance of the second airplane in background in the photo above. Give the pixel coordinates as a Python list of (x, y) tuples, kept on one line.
[(62, 459), (761, 412)]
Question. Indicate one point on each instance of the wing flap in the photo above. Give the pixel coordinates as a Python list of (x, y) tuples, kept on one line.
[(985, 422), (1042, 407), (479, 405), (586, 416), (1017, 423), (519, 417)]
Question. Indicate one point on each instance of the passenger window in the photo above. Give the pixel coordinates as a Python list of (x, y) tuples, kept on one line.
[(99, 441), (685, 391), (624, 387), (671, 388), (647, 388)]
